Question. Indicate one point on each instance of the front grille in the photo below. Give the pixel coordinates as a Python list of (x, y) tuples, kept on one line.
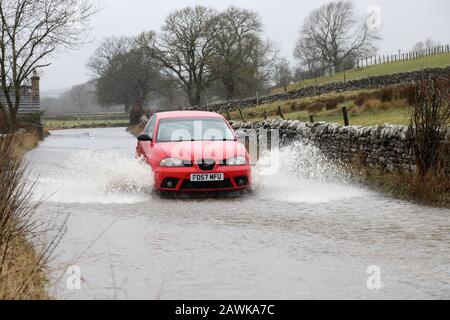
[(206, 165), (196, 185), (187, 163)]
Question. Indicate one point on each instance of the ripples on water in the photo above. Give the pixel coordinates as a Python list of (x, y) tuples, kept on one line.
[(92, 176), (307, 231), (302, 174)]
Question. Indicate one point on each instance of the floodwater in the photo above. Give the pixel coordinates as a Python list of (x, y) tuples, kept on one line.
[(305, 232)]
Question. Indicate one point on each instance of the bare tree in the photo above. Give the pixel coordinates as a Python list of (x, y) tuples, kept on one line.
[(428, 44), (81, 97), (430, 121), (419, 47), (185, 47), (265, 59), (238, 44), (333, 35), (32, 30), (106, 52), (431, 44), (126, 75), (283, 74), (128, 79), (307, 54)]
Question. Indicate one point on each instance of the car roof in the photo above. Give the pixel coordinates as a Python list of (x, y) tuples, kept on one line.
[(187, 114)]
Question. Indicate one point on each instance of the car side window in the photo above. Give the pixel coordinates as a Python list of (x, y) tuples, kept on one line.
[(150, 127)]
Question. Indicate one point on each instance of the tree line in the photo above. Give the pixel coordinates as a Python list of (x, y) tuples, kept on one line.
[(198, 52), (200, 55), (203, 54)]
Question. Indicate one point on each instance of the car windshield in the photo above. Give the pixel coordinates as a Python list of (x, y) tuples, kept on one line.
[(198, 129)]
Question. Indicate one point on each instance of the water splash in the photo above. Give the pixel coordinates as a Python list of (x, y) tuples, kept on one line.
[(93, 176), (304, 175)]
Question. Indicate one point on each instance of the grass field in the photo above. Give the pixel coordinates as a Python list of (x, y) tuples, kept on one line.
[(364, 118), (65, 124), (440, 60), (370, 112), (393, 116)]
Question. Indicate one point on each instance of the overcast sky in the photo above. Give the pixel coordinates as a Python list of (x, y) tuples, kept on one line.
[(404, 22)]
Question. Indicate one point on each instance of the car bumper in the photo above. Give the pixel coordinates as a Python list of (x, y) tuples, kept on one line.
[(178, 179)]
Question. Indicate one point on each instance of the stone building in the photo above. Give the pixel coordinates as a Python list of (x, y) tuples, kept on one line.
[(30, 101)]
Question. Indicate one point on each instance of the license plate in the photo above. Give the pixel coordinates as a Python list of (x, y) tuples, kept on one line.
[(207, 177)]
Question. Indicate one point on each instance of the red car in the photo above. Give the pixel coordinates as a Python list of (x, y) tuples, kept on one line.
[(192, 151)]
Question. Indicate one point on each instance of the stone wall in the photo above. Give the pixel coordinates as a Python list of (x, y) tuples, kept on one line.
[(366, 83), (386, 147)]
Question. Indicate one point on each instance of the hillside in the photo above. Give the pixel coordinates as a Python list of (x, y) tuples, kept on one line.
[(440, 60), (366, 107)]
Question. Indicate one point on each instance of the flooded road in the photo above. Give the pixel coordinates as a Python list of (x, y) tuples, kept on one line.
[(305, 233)]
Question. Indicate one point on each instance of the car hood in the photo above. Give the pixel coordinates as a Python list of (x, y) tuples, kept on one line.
[(198, 150)]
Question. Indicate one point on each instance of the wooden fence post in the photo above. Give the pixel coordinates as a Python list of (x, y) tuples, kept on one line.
[(241, 114), (228, 115), (345, 114), (247, 142), (280, 112)]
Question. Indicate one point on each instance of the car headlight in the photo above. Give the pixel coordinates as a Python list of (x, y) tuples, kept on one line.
[(171, 162), (236, 161)]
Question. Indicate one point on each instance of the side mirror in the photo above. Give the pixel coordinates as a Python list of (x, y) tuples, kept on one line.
[(144, 137)]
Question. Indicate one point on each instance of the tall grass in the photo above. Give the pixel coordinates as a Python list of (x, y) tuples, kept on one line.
[(432, 189), (23, 251), (428, 130)]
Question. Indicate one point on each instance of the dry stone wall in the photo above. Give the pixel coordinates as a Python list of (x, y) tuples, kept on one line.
[(386, 147)]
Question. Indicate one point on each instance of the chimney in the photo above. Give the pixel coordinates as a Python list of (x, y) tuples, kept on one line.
[(35, 83)]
